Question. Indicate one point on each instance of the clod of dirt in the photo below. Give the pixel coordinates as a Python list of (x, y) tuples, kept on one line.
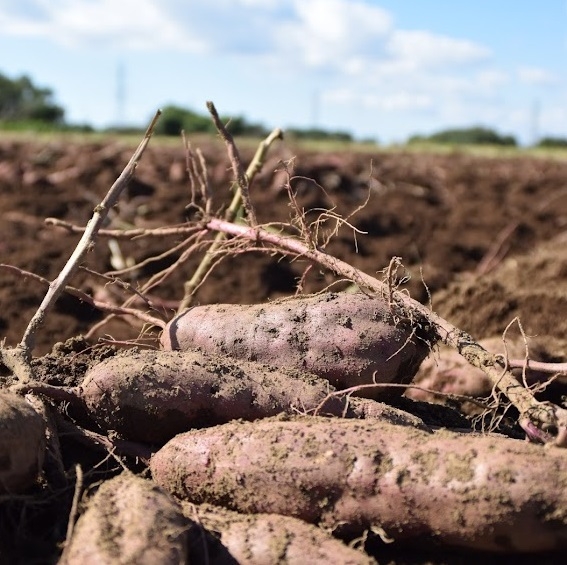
[(532, 287)]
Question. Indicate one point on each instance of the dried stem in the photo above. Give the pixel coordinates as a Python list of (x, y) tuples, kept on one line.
[(103, 306), (98, 441), (57, 286), (541, 366), (542, 421), (240, 197), (242, 179), (125, 234)]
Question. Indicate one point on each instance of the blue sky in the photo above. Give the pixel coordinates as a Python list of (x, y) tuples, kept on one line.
[(379, 69)]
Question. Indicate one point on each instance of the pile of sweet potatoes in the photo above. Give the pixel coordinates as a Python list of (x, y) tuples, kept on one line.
[(256, 450)]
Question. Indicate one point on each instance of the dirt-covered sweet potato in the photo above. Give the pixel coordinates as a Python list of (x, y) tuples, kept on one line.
[(481, 492), (447, 371), (262, 539), (128, 520), (349, 339), (150, 396), (22, 443)]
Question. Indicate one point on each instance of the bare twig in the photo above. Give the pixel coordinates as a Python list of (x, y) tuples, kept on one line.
[(232, 211), (196, 168), (103, 306), (101, 442), (348, 392), (241, 177), (183, 229), (541, 366), (19, 357), (70, 395)]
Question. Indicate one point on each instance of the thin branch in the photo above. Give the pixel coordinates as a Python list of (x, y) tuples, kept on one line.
[(101, 442), (183, 229), (190, 287), (242, 179), (541, 366), (71, 395), (103, 306), (57, 286)]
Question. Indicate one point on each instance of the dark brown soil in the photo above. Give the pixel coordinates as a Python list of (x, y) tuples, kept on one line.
[(442, 214), (482, 238)]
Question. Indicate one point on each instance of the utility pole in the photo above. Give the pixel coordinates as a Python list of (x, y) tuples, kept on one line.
[(120, 94), (536, 107), (315, 108)]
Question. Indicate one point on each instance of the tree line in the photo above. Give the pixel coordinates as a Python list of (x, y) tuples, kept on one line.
[(25, 104)]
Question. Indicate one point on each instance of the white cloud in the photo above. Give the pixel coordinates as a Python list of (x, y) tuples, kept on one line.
[(401, 100), (351, 51), (260, 4), (335, 34), (343, 35), (536, 76), (421, 49), (130, 24), (491, 79)]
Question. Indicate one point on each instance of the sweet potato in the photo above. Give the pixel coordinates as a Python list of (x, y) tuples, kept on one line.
[(22, 443), (449, 372), (152, 395), (349, 339), (263, 539), (481, 492), (128, 520)]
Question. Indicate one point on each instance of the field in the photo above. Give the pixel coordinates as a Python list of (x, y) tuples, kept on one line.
[(482, 239)]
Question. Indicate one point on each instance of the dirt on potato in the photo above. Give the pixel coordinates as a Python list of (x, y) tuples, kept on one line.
[(483, 240)]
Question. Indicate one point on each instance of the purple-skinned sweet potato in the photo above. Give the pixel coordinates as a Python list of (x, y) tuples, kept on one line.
[(22, 443), (129, 520), (349, 339), (150, 396), (262, 539), (469, 490)]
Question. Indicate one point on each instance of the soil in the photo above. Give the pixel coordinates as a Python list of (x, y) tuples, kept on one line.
[(444, 215), (482, 239)]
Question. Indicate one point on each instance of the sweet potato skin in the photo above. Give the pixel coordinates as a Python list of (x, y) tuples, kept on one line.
[(150, 396), (447, 371), (129, 520), (264, 539), (481, 492), (349, 339), (22, 443)]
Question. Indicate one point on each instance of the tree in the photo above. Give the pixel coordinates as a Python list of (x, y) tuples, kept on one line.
[(473, 136), (319, 134), (21, 100), (552, 142), (175, 118)]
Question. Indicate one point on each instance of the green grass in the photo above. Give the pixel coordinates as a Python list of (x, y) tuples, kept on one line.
[(489, 151), (28, 133)]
